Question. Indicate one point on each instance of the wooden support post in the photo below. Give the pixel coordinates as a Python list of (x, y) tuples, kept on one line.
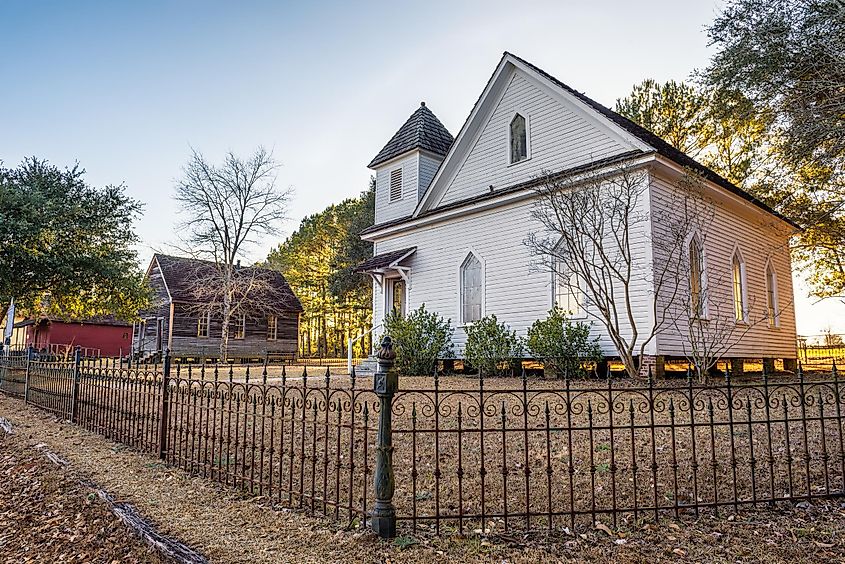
[(385, 384)]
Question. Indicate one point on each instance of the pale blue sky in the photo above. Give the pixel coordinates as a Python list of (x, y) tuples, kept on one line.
[(126, 88)]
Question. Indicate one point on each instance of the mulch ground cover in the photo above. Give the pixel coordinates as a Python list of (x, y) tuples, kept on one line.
[(46, 516)]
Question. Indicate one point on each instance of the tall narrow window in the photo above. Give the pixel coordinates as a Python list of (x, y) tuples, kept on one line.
[(518, 139), (471, 290), (202, 325), (398, 297), (395, 184), (272, 327), (240, 326), (738, 277), (771, 296), (696, 278), (568, 295)]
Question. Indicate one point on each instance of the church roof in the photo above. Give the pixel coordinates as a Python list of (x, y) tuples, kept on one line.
[(422, 131)]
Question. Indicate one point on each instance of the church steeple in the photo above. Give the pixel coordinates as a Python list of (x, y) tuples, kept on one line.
[(405, 166), (422, 131)]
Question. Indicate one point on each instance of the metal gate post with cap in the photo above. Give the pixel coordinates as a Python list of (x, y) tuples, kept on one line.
[(385, 384)]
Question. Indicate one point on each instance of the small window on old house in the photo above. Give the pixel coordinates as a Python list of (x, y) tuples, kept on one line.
[(240, 326), (272, 327), (518, 139), (396, 185), (202, 325)]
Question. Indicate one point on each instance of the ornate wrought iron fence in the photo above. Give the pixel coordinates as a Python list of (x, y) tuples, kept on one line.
[(13, 370), (548, 455), (303, 442), (495, 454)]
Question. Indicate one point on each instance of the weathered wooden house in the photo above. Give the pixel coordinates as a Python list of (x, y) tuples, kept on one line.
[(186, 319)]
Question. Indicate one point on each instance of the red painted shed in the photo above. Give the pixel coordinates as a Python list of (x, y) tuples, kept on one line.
[(97, 336)]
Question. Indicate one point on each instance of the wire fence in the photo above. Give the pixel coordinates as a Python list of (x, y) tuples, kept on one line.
[(465, 453)]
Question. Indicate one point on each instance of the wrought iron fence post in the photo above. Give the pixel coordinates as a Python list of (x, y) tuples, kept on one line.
[(30, 352), (74, 398), (385, 384), (165, 406)]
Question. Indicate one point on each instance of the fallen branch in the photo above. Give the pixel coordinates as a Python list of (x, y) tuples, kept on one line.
[(129, 515), (51, 456)]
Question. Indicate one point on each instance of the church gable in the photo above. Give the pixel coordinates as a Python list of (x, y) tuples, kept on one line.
[(559, 133)]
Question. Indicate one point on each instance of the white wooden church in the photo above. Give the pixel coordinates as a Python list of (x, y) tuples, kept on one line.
[(452, 215)]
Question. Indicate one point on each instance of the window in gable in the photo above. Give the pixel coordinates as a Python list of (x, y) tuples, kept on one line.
[(518, 139), (738, 278), (396, 185), (696, 278), (471, 289), (771, 296)]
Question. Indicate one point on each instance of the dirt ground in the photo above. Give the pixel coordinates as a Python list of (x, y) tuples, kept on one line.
[(45, 516)]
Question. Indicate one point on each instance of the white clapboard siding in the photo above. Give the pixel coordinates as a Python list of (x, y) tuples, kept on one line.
[(387, 210), (517, 293), (428, 167), (760, 238), (559, 137)]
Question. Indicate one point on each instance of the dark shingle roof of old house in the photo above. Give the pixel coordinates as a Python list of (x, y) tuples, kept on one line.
[(181, 273), (422, 131)]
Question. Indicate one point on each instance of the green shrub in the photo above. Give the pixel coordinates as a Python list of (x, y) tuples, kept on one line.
[(419, 339), (562, 345), (491, 346)]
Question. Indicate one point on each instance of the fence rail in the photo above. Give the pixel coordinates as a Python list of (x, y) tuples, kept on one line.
[(496, 454)]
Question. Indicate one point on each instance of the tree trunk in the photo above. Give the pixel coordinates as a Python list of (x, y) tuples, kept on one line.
[(227, 314)]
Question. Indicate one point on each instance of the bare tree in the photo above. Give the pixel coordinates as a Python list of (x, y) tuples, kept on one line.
[(595, 232), (227, 209)]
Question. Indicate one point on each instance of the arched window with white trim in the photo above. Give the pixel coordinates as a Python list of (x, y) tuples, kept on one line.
[(472, 290), (771, 295), (738, 283), (696, 278), (567, 293)]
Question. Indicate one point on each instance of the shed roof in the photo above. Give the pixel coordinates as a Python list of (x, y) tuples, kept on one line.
[(384, 260)]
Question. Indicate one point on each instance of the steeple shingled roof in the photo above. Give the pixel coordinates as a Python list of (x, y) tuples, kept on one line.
[(422, 131)]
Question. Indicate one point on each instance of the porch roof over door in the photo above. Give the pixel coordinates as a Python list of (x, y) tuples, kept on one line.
[(385, 261)]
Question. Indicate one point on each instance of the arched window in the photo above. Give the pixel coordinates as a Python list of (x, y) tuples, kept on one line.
[(567, 292), (696, 278), (471, 289), (518, 139), (771, 295), (738, 278)]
